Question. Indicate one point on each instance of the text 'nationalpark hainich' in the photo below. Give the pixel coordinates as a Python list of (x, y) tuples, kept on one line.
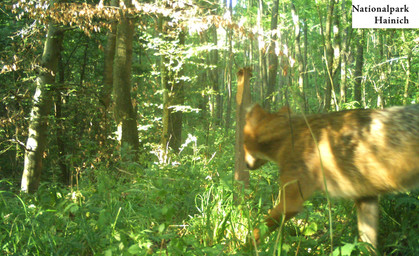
[(384, 9)]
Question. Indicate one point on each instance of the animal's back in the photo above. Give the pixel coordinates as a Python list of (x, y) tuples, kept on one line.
[(371, 152), (400, 135)]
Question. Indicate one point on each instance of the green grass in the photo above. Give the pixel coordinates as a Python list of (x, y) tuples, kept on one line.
[(184, 209)]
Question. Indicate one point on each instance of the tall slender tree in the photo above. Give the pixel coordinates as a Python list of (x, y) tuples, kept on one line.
[(359, 63), (106, 92), (171, 69), (329, 54), (299, 55), (263, 75), (272, 56), (229, 69), (42, 105), (125, 115), (346, 40)]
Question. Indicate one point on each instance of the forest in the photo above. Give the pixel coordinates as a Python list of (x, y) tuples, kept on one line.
[(119, 123)]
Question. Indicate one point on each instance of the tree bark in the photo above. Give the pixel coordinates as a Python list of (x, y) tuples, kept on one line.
[(125, 115), (408, 74), (60, 128), (272, 57), (347, 33), (172, 86), (177, 98), (106, 92), (301, 64), (105, 95), (229, 72), (329, 54), (263, 75), (42, 104), (359, 62), (215, 101)]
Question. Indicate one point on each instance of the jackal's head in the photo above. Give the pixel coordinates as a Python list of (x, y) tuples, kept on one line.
[(262, 134), (253, 156)]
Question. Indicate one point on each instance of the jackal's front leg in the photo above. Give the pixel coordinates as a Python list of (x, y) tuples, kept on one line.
[(290, 203)]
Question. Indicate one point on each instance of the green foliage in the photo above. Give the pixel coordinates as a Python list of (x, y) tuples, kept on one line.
[(184, 208)]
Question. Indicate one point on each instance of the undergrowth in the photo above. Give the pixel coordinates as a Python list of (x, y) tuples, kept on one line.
[(185, 208)]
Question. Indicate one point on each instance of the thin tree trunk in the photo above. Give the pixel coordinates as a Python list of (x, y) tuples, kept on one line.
[(301, 64), (346, 40), (229, 72), (203, 101), (384, 69), (106, 92), (125, 116), (305, 55), (164, 83), (176, 99), (329, 54), (83, 66), (42, 104), (173, 94), (337, 46), (272, 56), (359, 62), (213, 60), (60, 129), (263, 76), (408, 74)]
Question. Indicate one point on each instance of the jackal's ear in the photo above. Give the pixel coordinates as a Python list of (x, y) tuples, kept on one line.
[(255, 114)]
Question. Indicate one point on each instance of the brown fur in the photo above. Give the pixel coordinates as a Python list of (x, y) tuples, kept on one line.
[(363, 153)]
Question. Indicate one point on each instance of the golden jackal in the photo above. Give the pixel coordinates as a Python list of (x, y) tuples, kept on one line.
[(359, 154)]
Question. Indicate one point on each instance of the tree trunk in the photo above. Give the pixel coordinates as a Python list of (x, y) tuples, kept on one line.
[(125, 115), (83, 66), (243, 101), (60, 128), (42, 104), (408, 74), (384, 68), (337, 45), (229, 72), (106, 92), (305, 55), (164, 83), (172, 87), (272, 57), (176, 99), (346, 40), (359, 62), (213, 60), (301, 64), (329, 54), (263, 76)]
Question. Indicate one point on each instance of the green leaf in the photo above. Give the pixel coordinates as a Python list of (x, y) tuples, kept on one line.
[(108, 252), (134, 249), (311, 229), (162, 227), (117, 236), (345, 250)]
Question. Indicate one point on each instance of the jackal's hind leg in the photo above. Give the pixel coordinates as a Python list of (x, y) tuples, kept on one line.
[(368, 210)]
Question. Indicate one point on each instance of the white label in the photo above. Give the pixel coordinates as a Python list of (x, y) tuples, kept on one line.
[(385, 13)]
